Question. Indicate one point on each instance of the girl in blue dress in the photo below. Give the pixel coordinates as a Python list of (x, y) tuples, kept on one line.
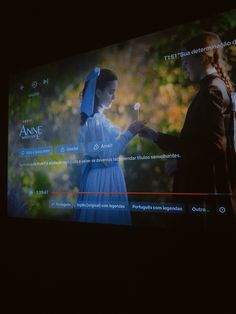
[(102, 188)]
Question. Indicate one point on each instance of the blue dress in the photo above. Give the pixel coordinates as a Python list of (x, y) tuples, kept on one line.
[(103, 143)]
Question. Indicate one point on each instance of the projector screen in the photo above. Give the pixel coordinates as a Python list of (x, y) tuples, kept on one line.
[(138, 133)]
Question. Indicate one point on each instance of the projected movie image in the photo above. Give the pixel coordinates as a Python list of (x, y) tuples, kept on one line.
[(137, 133)]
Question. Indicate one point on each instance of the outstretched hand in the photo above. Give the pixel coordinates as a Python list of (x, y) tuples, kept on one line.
[(136, 126), (148, 133)]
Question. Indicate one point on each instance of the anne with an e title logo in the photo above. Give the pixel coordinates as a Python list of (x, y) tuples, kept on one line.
[(30, 132)]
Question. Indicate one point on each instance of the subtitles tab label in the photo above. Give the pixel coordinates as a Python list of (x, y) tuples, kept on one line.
[(94, 147), (157, 207), (62, 204), (102, 205), (199, 209), (69, 149), (35, 151)]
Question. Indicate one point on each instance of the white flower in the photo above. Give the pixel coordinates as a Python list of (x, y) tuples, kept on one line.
[(137, 106)]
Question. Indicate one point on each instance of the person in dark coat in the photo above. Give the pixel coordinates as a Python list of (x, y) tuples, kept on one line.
[(206, 171)]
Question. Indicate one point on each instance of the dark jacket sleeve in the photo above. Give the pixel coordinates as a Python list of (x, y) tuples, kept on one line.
[(216, 107), (168, 142)]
